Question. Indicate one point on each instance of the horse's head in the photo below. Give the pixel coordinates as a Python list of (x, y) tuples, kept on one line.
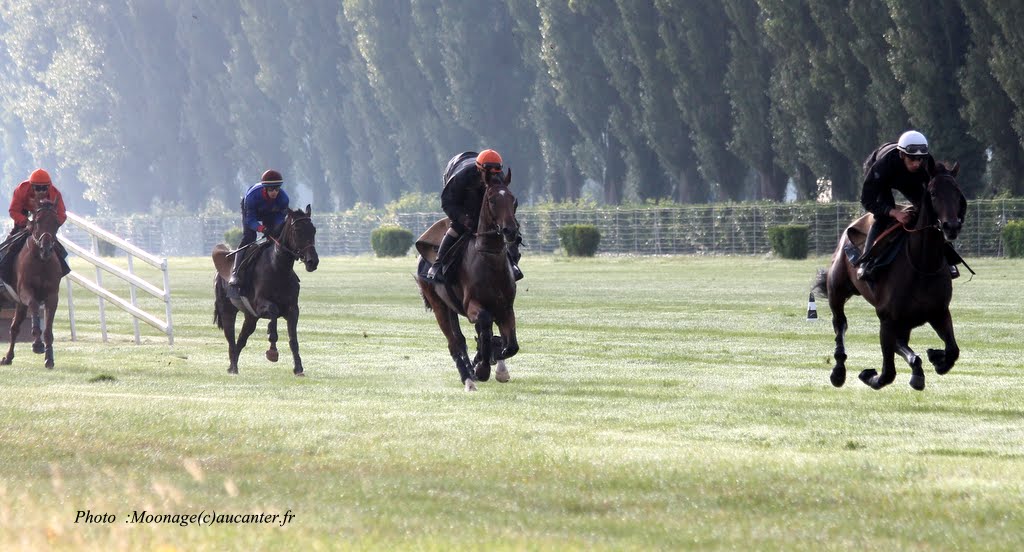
[(498, 213), (298, 236), (947, 203), (44, 228)]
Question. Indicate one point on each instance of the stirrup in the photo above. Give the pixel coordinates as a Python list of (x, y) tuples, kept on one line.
[(434, 274), (954, 272)]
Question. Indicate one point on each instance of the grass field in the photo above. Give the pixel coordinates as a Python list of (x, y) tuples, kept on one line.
[(656, 403)]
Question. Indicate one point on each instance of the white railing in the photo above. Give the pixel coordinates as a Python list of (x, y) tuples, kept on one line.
[(134, 282)]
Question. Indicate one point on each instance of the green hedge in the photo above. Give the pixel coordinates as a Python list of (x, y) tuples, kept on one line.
[(391, 241), (232, 236), (1013, 238), (579, 240), (789, 241)]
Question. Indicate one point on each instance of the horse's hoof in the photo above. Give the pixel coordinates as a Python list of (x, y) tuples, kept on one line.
[(866, 376), (300, 374), (5, 361), (38, 347), (49, 365), (233, 370), (838, 377), (272, 355), (917, 382), (470, 386), (483, 372), (501, 375)]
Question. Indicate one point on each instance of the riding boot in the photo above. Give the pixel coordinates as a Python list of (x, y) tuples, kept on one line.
[(234, 281), (436, 271), (62, 254), (953, 258), (864, 262), (513, 258)]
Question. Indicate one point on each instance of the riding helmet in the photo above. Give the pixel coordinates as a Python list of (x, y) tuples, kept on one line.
[(271, 178), (39, 176), (913, 143), (489, 160)]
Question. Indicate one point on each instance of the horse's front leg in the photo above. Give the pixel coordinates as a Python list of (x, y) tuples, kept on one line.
[(904, 350), (272, 355), (19, 316), (292, 319), (51, 310), (484, 322), (888, 337), (944, 360), (248, 326), (38, 347)]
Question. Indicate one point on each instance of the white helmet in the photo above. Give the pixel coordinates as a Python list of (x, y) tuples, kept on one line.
[(913, 143)]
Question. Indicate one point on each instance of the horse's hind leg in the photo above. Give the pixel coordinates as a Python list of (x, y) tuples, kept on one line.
[(248, 326), (484, 323), (272, 355), (509, 345), (944, 360), (19, 315), (837, 304), (890, 336), (292, 319)]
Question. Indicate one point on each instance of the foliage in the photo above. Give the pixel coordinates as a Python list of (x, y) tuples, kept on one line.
[(415, 202), (789, 241), (579, 240), (391, 241), (1013, 238), (233, 236)]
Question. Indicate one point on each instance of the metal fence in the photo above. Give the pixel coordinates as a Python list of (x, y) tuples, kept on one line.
[(721, 229)]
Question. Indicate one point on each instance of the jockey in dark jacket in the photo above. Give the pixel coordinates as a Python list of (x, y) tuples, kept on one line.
[(264, 207), (461, 198), (901, 166)]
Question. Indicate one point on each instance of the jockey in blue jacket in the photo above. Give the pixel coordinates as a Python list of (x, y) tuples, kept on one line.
[(264, 208)]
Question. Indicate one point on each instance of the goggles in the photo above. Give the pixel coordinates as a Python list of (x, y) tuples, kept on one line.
[(916, 149), (40, 187)]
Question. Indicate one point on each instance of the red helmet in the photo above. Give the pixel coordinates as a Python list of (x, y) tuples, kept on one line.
[(271, 178), (489, 160), (39, 176)]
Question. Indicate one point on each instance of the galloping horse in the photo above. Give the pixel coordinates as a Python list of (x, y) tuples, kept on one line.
[(914, 289), (37, 272), (483, 288), (275, 287)]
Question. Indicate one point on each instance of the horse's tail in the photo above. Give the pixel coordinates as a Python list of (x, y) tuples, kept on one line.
[(217, 294), (820, 283), (422, 296)]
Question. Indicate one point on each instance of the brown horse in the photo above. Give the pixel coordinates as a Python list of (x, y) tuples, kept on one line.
[(483, 288), (275, 287), (36, 281), (914, 289)]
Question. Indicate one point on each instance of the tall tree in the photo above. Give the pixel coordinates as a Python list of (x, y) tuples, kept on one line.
[(928, 53), (987, 107), (747, 82)]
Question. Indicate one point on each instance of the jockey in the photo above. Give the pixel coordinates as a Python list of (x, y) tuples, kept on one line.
[(264, 208), (902, 166), (25, 201), (461, 198)]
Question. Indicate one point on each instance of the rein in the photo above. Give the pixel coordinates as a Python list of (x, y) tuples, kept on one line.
[(295, 254)]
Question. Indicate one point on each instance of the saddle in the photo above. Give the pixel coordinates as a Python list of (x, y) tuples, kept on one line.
[(429, 242), (886, 246), (249, 255)]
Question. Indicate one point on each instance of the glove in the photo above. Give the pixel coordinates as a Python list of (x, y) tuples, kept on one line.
[(467, 222), (260, 228)]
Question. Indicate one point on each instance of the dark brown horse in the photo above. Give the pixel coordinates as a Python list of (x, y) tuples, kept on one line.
[(36, 281), (274, 289), (483, 289), (914, 289)]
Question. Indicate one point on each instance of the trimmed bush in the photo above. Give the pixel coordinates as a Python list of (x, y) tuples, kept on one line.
[(579, 240), (390, 241), (232, 236), (789, 241), (1013, 238)]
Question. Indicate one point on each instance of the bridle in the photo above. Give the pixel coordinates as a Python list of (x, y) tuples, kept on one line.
[(44, 248), (286, 233), (495, 230)]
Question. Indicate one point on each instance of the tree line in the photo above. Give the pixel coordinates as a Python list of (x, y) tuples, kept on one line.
[(136, 106)]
